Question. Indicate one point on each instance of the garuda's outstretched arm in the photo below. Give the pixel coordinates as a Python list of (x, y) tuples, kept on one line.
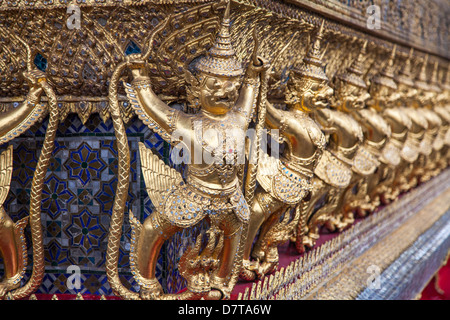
[(274, 118), (21, 118), (148, 106), (248, 94), (325, 118)]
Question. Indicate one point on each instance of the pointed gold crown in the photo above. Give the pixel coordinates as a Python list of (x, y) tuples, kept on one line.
[(386, 76), (353, 74), (434, 85), (405, 75), (221, 58), (312, 66), (421, 79)]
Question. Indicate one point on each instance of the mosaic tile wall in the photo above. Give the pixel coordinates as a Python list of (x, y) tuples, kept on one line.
[(77, 203)]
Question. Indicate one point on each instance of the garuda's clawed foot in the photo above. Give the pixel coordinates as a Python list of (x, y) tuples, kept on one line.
[(151, 290), (270, 262), (249, 270), (8, 285), (197, 265)]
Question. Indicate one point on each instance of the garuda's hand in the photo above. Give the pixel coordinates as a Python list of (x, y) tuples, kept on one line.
[(254, 69), (137, 65), (35, 78)]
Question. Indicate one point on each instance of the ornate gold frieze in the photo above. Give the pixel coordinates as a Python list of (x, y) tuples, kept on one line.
[(79, 61), (413, 23), (359, 116)]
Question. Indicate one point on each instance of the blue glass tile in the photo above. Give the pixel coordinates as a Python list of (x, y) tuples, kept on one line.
[(40, 62), (132, 48)]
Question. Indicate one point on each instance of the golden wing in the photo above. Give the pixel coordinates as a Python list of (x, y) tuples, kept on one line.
[(159, 178), (188, 35), (267, 169), (6, 169)]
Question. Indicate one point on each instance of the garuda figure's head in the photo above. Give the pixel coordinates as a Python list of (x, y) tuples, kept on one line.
[(435, 88), (424, 95), (383, 89), (350, 90), (308, 87), (443, 98), (405, 85), (214, 87)]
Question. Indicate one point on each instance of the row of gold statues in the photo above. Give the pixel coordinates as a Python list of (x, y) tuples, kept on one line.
[(347, 147)]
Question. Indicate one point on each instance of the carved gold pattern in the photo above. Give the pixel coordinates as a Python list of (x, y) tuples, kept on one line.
[(362, 118)]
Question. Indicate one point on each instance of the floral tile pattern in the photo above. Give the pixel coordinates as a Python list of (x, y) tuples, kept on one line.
[(84, 164), (85, 231), (56, 196)]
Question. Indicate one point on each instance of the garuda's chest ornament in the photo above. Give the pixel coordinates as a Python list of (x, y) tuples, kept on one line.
[(224, 142)]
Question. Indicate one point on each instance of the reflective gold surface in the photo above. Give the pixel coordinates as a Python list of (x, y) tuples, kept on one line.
[(359, 119)]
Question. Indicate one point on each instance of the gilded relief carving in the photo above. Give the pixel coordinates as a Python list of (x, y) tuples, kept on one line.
[(359, 118)]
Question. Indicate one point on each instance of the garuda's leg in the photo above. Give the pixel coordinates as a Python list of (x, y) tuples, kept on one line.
[(354, 193), (402, 172), (315, 206), (9, 252), (417, 172), (373, 183), (230, 260), (263, 216), (155, 230), (364, 203), (384, 191)]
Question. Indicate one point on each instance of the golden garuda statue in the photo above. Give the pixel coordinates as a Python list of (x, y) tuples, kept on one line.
[(352, 91), (212, 142), (284, 182), (438, 126), (440, 108), (422, 130), (12, 240), (390, 93), (345, 137)]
